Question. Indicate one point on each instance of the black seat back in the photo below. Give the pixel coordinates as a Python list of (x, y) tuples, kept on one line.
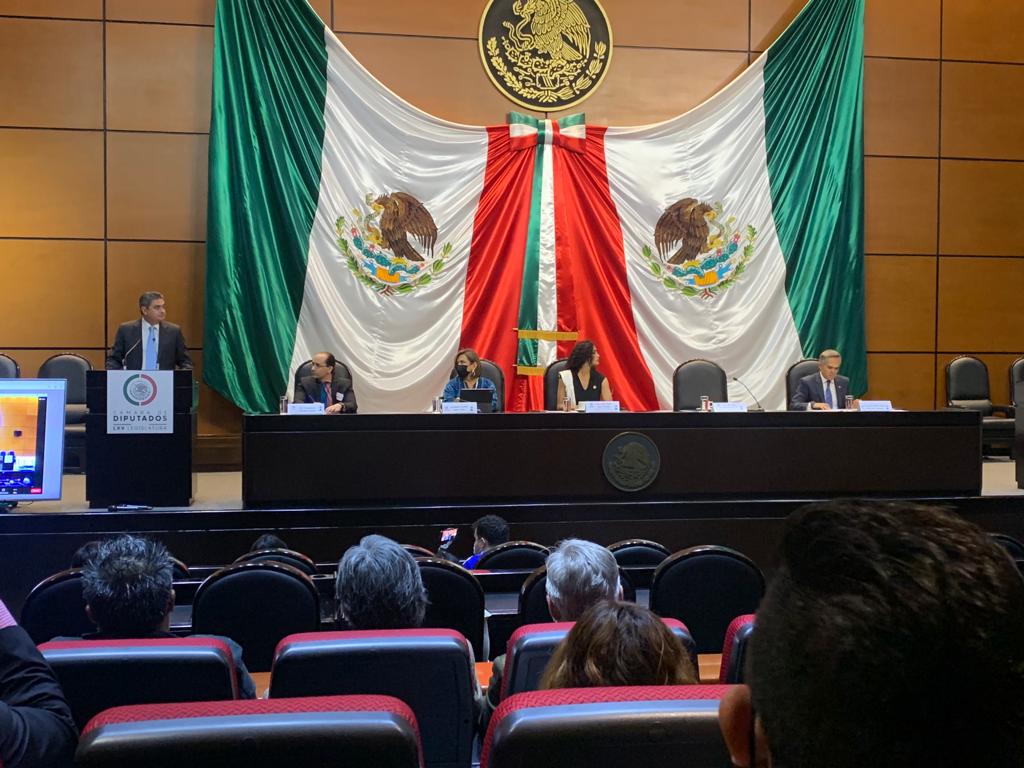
[(1016, 376), (287, 556), (70, 367), (513, 555), (694, 379), (456, 600), (967, 384), (796, 372), (55, 608), (9, 368), (638, 552), (551, 384)]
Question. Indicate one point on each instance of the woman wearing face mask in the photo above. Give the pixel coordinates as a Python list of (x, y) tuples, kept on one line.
[(467, 369)]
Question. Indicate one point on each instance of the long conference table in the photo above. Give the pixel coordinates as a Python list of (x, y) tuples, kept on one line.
[(303, 461)]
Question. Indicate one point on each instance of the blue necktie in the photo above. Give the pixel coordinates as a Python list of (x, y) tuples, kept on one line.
[(151, 364), (828, 395)]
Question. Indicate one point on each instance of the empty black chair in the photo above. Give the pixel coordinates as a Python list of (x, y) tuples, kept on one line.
[(287, 556), (491, 370), (55, 608), (1016, 377), (72, 368), (638, 552), (551, 384), (533, 602), (706, 588), (694, 379), (256, 604), (456, 601), (513, 555), (796, 372), (967, 388), (9, 368)]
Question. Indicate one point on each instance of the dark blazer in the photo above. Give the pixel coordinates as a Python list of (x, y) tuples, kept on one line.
[(308, 391), (36, 728), (128, 341), (810, 391)]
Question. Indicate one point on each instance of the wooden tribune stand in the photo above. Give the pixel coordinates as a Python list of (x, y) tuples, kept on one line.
[(155, 470)]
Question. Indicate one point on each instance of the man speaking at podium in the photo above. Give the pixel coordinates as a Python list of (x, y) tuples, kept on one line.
[(149, 343)]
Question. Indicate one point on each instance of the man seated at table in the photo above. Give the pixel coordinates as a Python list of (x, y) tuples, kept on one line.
[(326, 386), (488, 532), (825, 390), (891, 635), (129, 594)]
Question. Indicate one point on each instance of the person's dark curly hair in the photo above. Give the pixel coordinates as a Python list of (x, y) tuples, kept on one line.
[(582, 353), (127, 585)]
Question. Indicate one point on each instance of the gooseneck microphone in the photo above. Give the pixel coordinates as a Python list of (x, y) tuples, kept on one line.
[(124, 360), (736, 379)]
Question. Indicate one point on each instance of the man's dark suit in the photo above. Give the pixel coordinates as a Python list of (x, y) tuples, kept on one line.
[(309, 389), (810, 391), (36, 729), (171, 352)]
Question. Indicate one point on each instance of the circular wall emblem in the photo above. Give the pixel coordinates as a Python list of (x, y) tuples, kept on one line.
[(140, 389), (545, 54), (631, 461)]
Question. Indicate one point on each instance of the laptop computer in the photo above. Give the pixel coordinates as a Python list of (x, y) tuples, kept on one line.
[(482, 396)]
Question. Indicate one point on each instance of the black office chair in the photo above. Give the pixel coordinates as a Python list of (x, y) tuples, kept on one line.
[(513, 555), (256, 604), (706, 588), (492, 371), (795, 372), (9, 368), (1016, 375), (694, 379), (551, 384), (55, 608), (967, 389), (287, 556), (455, 601), (638, 553), (72, 368), (306, 369)]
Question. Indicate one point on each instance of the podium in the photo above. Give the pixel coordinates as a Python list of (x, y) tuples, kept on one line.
[(154, 469)]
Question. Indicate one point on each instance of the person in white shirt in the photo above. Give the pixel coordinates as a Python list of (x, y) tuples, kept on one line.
[(825, 390)]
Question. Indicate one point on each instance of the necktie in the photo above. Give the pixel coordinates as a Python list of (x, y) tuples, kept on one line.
[(828, 395), (325, 395), (151, 364)]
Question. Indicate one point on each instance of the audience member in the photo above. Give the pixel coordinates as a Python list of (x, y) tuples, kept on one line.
[(36, 728), (379, 586), (268, 541), (891, 635), (488, 532), (618, 643), (128, 593), (85, 554)]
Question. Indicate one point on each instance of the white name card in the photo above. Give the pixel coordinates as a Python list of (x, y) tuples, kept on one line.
[(459, 408), (298, 409), (734, 407), (601, 406), (876, 405)]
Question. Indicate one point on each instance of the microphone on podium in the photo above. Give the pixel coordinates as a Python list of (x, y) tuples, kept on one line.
[(759, 407), (124, 360)]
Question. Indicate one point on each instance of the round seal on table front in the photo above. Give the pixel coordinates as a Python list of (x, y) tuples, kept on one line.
[(631, 461)]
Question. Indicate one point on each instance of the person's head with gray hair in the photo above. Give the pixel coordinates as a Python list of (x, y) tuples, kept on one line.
[(127, 586), (579, 573), (379, 586)]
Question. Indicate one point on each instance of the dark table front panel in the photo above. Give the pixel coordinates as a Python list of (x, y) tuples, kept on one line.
[(431, 458)]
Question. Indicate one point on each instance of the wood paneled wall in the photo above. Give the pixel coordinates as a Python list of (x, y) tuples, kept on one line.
[(104, 116)]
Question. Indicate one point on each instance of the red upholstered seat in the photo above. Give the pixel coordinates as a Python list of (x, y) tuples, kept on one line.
[(313, 732), (531, 646), (734, 650), (99, 674), (651, 726), (431, 670)]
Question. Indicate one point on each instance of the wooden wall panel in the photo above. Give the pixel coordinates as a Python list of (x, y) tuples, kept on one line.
[(650, 85), (904, 379), (981, 207), (900, 303), (59, 66), (175, 11), (982, 114), (900, 205), (56, 9), (177, 270), (980, 304), (907, 28), (768, 18), (901, 107), (992, 30), (52, 183), (159, 77), (66, 307), (30, 359), (697, 24), (156, 186), (440, 18), (998, 375)]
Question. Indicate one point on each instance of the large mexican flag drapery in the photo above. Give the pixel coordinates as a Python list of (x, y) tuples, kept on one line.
[(342, 218)]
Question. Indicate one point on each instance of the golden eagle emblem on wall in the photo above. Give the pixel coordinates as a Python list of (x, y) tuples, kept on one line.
[(545, 54)]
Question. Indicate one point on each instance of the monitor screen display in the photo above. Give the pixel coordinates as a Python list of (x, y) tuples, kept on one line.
[(31, 438)]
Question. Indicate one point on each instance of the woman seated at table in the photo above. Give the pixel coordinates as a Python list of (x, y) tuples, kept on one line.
[(587, 382), (467, 370)]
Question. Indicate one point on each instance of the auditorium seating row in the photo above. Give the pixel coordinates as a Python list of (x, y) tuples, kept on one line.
[(429, 670), (704, 587)]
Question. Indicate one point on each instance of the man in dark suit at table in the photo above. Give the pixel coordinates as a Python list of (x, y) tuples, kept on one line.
[(149, 343), (326, 385), (824, 390)]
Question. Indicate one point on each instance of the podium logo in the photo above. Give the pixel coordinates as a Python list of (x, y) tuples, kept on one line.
[(140, 389)]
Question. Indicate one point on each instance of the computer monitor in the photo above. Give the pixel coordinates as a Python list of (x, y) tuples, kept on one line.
[(482, 396), (31, 438)]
